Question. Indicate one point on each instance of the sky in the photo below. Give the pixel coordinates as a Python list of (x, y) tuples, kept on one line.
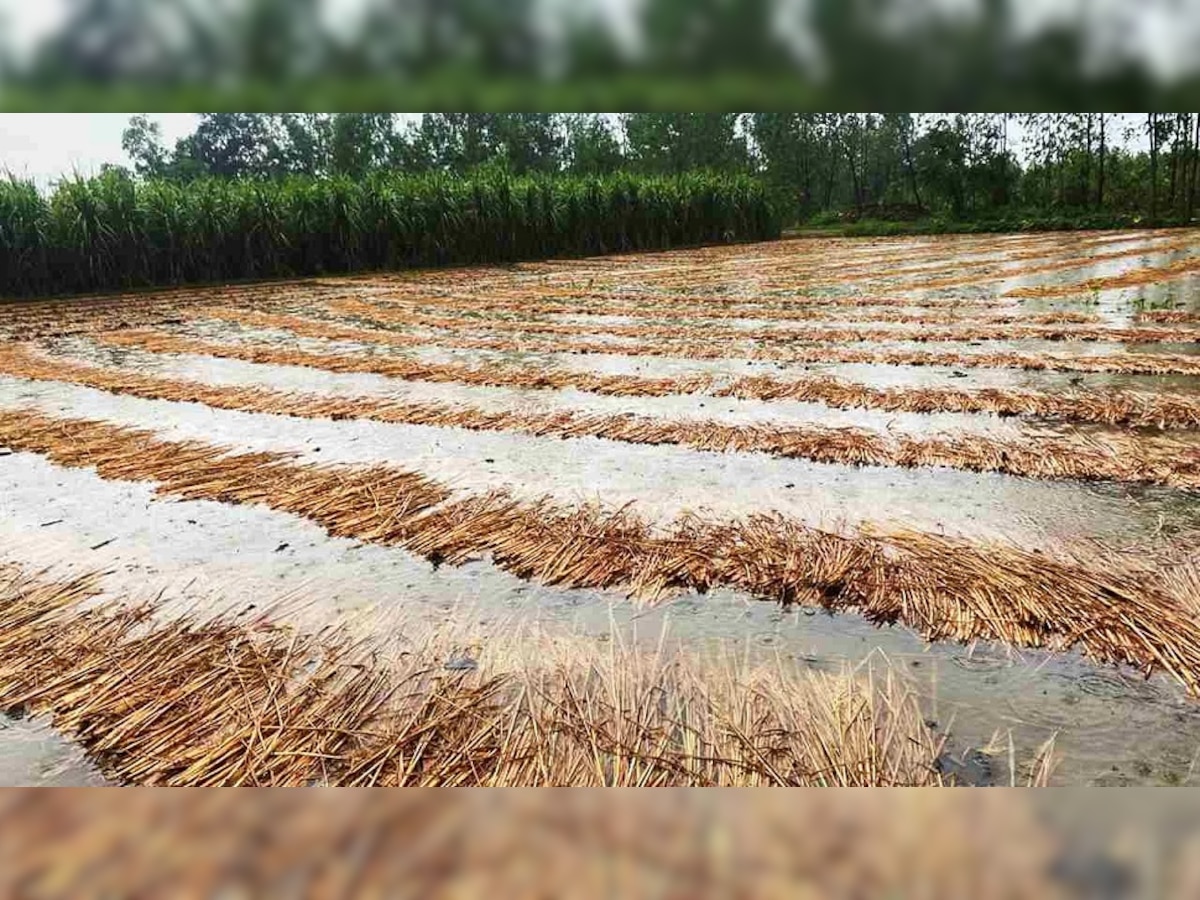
[(45, 146)]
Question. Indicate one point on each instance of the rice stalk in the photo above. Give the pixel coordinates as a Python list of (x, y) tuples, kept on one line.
[(210, 703), (1115, 608), (1114, 457)]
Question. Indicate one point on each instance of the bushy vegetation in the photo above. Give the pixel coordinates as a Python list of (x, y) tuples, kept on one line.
[(117, 232), (979, 171)]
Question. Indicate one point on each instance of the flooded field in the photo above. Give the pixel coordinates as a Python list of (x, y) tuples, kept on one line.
[(939, 488)]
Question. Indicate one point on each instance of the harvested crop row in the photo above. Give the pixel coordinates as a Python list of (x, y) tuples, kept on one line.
[(1148, 364), (1115, 608), (776, 264), (1112, 457), (767, 277), (1168, 315), (1138, 277), (22, 320), (530, 299), (1107, 407), (223, 703), (717, 311), (1059, 265), (773, 335)]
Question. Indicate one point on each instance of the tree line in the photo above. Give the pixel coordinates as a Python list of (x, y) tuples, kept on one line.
[(1070, 168)]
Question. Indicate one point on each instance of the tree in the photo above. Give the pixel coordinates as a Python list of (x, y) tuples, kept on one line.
[(305, 144), (456, 141), (591, 147), (789, 151), (361, 142), (143, 144), (232, 145), (528, 142), (677, 142), (1155, 134), (941, 160)]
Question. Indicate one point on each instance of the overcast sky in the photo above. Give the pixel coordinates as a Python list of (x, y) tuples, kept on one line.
[(44, 146)]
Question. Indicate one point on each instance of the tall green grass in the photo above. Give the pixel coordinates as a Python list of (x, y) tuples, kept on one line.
[(111, 232)]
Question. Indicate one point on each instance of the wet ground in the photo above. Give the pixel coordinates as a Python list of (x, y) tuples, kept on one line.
[(209, 558), (33, 754), (1110, 726), (663, 481)]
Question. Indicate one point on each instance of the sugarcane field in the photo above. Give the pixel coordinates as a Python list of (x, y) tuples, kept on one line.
[(906, 510)]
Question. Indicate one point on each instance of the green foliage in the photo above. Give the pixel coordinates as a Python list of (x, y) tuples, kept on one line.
[(114, 232), (680, 142)]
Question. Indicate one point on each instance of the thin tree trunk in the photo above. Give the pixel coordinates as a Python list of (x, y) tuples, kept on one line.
[(1195, 165), (912, 173), (1087, 166), (1153, 117), (1100, 175), (1173, 168)]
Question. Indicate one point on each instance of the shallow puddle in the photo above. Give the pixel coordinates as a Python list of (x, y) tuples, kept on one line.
[(208, 558), (33, 754), (205, 558), (685, 407), (662, 481)]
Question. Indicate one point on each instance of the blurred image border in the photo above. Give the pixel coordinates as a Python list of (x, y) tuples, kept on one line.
[(587, 842)]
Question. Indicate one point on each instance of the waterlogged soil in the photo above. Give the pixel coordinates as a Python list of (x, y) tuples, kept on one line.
[(204, 558), (33, 754), (661, 481), (877, 374), (881, 375), (1104, 268), (232, 373)]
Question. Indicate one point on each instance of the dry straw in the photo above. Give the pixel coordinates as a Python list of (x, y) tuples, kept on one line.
[(1134, 278), (1108, 407), (1116, 607), (194, 703), (1131, 363), (994, 271), (840, 334), (643, 305), (1115, 457)]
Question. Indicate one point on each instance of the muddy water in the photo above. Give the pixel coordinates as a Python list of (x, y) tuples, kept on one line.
[(652, 367), (1111, 728), (1105, 268), (235, 373), (880, 375), (209, 558), (662, 481), (668, 366), (33, 754)]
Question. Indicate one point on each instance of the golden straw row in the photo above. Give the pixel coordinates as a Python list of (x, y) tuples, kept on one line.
[(1144, 363), (1110, 407), (785, 274), (224, 703), (1136, 278), (796, 262), (1112, 457), (795, 271), (1054, 265), (1116, 607), (772, 335), (1057, 256), (714, 310), (535, 300)]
